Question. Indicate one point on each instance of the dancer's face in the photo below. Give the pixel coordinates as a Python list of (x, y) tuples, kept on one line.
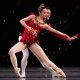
[(45, 13)]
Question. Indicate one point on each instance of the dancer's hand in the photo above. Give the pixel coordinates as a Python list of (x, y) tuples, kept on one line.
[(73, 38), (33, 32)]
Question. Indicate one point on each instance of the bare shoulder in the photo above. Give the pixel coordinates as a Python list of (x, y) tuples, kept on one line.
[(46, 25), (30, 17)]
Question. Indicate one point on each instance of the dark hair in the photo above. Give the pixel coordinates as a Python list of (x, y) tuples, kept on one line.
[(42, 6)]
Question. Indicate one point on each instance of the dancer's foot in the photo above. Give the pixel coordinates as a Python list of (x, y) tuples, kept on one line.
[(23, 75), (56, 75), (17, 70), (61, 73)]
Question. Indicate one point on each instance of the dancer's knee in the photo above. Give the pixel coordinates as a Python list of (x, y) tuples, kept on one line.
[(25, 56), (10, 52)]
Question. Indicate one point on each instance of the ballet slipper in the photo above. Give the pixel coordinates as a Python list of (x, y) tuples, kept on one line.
[(23, 76), (17, 70), (61, 73)]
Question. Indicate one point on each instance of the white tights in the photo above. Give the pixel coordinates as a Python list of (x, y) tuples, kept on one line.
[(24, 60)]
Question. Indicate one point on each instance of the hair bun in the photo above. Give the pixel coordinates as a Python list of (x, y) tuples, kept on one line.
[(41, 6)]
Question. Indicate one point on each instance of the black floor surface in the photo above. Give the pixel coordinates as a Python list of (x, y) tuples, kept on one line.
[(39, 74)]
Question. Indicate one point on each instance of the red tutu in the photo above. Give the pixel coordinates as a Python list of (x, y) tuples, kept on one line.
[(28, 38)]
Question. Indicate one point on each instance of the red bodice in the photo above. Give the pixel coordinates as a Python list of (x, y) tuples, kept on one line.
[(34, 26), (27, 37)]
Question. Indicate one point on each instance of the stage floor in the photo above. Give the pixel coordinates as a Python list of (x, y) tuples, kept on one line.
[(73, 73)]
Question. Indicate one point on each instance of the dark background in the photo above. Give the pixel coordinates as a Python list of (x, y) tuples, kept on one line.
[(65, 17)]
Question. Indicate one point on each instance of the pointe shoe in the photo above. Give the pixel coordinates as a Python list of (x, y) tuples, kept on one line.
[(61, 73), (17, 70), (56, 75), (23, 75)]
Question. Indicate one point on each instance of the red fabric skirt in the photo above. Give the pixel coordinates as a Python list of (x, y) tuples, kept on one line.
[(29, 39)]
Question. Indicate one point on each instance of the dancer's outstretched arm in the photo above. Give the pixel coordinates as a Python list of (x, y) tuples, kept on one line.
[(60, 35)]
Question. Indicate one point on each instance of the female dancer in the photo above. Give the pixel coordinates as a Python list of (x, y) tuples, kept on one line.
[(33, 25)]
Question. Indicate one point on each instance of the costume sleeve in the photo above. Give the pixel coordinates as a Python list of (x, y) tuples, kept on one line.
[(63, 36)]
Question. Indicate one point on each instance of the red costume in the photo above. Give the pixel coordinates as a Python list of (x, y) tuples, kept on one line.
[(27, 37)]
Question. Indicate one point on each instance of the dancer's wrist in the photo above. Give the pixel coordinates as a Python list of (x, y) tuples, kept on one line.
[(30, 29)]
